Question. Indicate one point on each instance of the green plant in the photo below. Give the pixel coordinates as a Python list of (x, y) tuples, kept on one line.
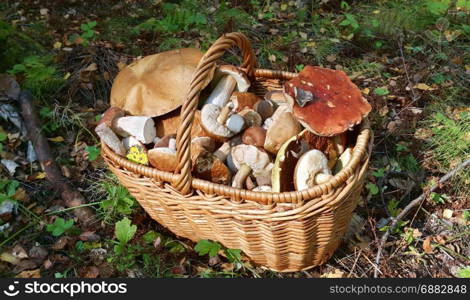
[(373, 188), (176, 18), (8, 189), (39, 73), (381, 91), (87, 33), (438, 198), (3, 137), (350, 20), (118, 199), (60, 226), (204, 247), (464, 272), (93, 152)]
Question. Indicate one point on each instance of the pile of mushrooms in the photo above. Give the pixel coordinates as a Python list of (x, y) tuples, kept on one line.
[(291, 139)]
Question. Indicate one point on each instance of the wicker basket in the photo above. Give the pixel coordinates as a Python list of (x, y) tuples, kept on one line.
[(285, 232)]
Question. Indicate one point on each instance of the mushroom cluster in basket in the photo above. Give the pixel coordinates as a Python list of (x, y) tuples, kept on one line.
[(285, 140)]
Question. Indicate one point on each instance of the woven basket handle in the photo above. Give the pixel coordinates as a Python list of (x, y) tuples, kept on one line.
[(203, 70)]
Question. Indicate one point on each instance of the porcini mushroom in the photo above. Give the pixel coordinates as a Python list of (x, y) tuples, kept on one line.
[(108, 136), (247, 158), (208, 167), (213, 120), (264, 108), (243, 100), (251, 117), (223, 152), (156, 84), (283, 127), (163, 155), (255, 136), (232, 77), (326, 101), (140, 127), (163, 158), (311, 169), (277, 97)]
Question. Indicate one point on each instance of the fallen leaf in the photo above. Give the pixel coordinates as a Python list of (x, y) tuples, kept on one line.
[(447, 213), (366, 91), (424, 87), (56, 139), (40, 175), (19, 251), (9, 258), (427, 245), (30, 274), (336, 273), (91, 272)]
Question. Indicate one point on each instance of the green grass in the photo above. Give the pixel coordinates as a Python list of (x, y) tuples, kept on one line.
[(449, 144)]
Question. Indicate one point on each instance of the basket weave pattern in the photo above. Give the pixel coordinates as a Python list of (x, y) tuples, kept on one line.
[(285, 232)]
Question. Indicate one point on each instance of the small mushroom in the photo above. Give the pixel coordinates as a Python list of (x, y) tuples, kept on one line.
[(210, 122), (247, 158), (307, 169), (108, 136), (164, 142), (205, 142), (283, 127), (255, 136), (264, 108), (251, 117), (163, 158), (243, 100), (277, 97), (224, 151), (233, 77), (208, 167)]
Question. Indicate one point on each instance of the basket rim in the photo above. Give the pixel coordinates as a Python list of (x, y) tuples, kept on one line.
[(360, 150)]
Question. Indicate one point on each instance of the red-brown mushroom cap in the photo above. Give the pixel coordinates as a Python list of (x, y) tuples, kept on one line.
[(326, 101)]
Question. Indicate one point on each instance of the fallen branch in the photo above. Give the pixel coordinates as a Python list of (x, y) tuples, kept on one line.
[(411, 205), (71, 197)]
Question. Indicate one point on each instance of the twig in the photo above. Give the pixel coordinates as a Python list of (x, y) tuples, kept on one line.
[(71, 197), (412, 204)]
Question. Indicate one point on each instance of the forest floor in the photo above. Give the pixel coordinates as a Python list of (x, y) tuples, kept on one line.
[(411, 60)]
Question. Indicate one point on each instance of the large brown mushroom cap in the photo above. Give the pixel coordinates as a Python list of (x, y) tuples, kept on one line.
[(326, 101), (155, 84)]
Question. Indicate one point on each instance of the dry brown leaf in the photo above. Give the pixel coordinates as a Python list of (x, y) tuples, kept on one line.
[(336, 273), (30, 274), (427, 245)]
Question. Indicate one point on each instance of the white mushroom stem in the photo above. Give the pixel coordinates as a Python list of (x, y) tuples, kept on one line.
[(241, 176), (142, 128), (222, 91), (224, 114), (223, 151), (110, 139)]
